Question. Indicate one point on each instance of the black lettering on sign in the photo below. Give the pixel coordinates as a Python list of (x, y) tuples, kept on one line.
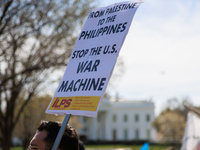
[(89, 66)]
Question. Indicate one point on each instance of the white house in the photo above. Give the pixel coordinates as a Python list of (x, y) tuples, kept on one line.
[(120, 120)]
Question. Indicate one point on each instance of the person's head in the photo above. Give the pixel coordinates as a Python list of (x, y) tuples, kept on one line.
[(47, 132)]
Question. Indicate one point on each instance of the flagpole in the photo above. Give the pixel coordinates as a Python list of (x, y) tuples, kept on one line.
[(61, 131), (190, 107)]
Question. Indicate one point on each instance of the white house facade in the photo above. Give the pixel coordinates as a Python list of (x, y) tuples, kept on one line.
[(120, 120)]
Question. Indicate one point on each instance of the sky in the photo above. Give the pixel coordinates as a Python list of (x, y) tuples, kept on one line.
[(161, 53)]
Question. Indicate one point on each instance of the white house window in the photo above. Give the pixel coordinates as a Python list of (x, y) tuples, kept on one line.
[(148, 134), (125, 134), (114, 134), (125, 118), (148, 118), (137, 134), (114, 118), (136, 118), (99, 118), (84, 119)]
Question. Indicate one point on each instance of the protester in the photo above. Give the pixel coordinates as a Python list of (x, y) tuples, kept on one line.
[(46, 134), (81, 145)]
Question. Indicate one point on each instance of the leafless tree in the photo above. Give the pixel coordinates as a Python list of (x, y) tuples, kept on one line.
[(36, 38)]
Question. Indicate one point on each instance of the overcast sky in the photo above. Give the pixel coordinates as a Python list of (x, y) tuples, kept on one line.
[(161, 52)]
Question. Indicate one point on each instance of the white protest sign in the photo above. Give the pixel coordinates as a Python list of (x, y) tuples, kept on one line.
[(93, 59), (191, 139)]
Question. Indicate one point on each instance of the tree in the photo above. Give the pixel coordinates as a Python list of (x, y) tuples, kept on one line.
[(171, 121), (171, 125), (36, 39), (177, 105)]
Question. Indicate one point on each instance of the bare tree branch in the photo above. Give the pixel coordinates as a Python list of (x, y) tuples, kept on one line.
[(7, 5), (36, 37)]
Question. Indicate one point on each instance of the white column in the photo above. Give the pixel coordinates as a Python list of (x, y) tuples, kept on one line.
[(108, 131), (80, 118), (95, 128)]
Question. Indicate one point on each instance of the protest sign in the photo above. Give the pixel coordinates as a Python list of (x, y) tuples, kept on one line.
[(93, 59), (191, 139)]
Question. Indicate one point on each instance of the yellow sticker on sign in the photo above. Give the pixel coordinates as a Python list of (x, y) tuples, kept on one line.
[(86, 103)]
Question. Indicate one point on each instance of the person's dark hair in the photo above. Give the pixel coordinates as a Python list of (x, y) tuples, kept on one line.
[(69, 140)]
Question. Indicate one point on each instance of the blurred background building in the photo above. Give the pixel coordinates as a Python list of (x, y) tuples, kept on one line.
[(119, 119)]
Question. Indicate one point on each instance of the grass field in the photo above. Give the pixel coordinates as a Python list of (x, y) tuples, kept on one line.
[(112, 147), (133, 147)]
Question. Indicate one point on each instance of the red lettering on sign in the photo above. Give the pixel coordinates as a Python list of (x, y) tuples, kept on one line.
[(68, 102), (55, 104), (64, 102)]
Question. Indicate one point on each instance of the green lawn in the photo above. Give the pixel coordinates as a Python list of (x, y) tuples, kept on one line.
[(100, 147), (14, 148), (133, 147)]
